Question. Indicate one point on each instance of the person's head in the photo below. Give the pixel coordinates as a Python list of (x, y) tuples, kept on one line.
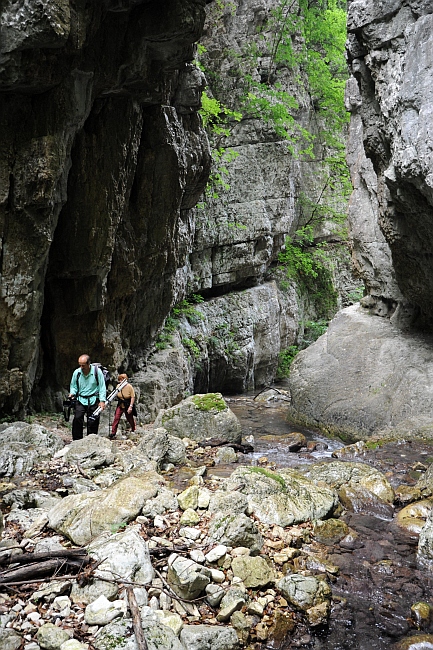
[(122, 377), (84, 363)]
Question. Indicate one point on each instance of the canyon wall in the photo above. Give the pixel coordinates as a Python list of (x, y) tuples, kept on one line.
[(102, 157), (374, 367), (103, 160)]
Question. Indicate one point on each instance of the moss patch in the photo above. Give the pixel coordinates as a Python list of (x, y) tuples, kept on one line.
[(209, 402), (275, 477)]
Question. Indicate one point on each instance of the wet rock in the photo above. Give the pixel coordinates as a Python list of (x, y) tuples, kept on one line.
[(338, 474), (412, 518), (422, 613), (330, 531), (351, 451), (253, 571), (81, 517), (207, 637), (283, 624), (425, 542), (391, 622), (295, 441), (360, 499), (304, 591), (415, 642), (407, 493), (425, 483), (91, 451), (319, 614), (314, 564), (201, 417), (235, 530)]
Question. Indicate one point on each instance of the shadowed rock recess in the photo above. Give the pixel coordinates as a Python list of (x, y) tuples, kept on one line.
[(102, 156), (379, 374)]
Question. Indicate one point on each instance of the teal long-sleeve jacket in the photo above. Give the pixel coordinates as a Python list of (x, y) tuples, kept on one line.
[(87, 388)]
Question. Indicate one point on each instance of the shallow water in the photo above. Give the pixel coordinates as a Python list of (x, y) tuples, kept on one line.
[(379, 580)]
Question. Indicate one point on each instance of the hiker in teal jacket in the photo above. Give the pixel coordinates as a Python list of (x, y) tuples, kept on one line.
[(88, 388)]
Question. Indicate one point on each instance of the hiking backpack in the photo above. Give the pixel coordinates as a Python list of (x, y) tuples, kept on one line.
[(105, 372)]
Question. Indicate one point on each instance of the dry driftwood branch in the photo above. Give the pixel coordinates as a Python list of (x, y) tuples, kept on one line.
[(136, 620), (45, 569), (30, 558)]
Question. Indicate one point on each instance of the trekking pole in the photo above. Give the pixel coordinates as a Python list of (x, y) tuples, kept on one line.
[(97, 412)]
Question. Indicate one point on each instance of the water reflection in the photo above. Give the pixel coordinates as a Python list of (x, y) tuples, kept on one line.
[(267, 422)]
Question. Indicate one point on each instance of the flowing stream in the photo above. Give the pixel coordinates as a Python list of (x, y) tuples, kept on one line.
[(379, 579)]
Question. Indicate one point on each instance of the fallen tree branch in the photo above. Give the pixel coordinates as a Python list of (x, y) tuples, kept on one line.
[(136, 620), (41, 569), (29, 558)]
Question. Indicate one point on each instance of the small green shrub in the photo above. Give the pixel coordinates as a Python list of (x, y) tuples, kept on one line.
[(192, 346), (356, 295), (285, 360)]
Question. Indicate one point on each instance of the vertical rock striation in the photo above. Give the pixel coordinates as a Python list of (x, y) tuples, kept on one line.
[(390, 96), (102, 155)]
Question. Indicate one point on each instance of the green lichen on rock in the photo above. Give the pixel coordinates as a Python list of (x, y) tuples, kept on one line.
[(209, 401)]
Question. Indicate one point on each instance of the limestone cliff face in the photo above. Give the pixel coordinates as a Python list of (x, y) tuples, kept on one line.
[(102, 155), (372, 371), (390, 154)]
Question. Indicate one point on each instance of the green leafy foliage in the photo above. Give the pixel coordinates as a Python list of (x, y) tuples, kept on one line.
[(218, 120), (183, 309), (285, 360)]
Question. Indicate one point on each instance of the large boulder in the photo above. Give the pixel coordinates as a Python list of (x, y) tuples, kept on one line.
[(285, 498), (362, 375), (341, 475), (201, 417), (22, 445), (122, 555), (82, 517), (90, 452)]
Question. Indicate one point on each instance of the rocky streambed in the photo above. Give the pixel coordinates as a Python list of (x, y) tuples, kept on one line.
[(319, 546)]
